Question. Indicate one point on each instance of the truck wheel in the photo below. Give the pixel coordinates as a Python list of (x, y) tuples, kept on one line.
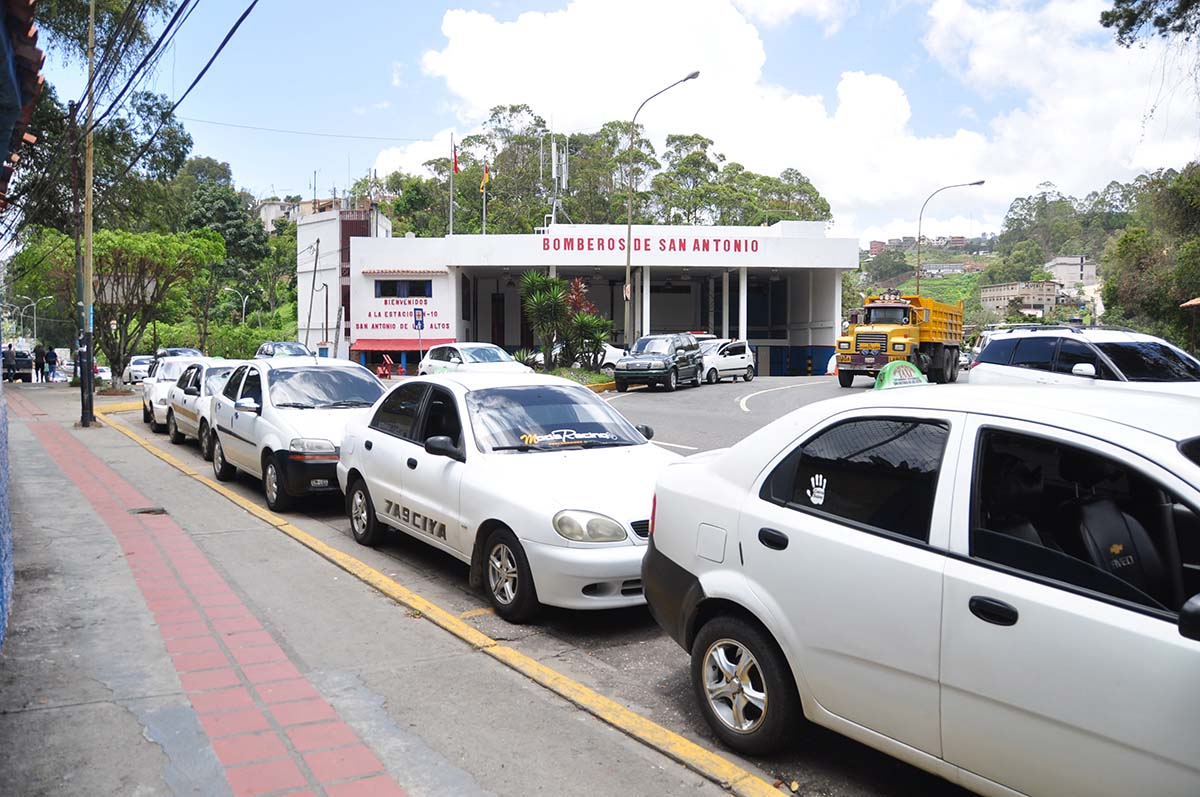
[(845, 378), (954, 367)]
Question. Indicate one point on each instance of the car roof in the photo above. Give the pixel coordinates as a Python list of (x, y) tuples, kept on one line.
[(296, 361), (470, 345), (1092, 334), (466, 381)]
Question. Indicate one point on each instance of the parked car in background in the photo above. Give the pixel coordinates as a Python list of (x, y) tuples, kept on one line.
[(24, 362), (282, 421), (103, 373), (451, 460), (725, 357), (470, 358), (156, 386), (136, 370), (952, 577), (283, 348), (1092, 356), (177, 351), (189, 412), (663, 360)]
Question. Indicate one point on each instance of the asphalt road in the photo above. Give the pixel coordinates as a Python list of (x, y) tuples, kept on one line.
[(623, 654)]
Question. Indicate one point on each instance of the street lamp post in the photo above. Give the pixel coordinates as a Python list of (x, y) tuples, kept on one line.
[(325, 326), (243, 296), (34, 303), (628, 292), (922, 214)]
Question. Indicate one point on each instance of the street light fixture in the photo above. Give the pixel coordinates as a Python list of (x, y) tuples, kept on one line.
[(244, 297), (921, 215), (628, 292), (34, 303)]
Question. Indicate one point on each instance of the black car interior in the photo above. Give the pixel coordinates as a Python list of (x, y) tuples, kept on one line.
[(1068, 514)]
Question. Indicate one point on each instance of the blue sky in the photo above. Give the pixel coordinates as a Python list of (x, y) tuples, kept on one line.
[(877, 102)]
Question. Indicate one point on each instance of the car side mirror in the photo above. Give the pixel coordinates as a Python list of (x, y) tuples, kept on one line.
[(456, 360), (191, 391), (646, 431), (247, 405), (1189, 619), (1083, 369), (442, 446)]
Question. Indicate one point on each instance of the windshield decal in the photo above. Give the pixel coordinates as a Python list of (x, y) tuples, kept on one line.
[(562, 437)]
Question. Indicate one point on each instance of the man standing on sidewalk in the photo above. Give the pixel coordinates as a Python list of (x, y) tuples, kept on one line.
[(39, 363), (10, 364), (51, 364)]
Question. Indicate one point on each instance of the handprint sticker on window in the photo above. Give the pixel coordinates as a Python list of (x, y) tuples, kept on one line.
[(817, 494)]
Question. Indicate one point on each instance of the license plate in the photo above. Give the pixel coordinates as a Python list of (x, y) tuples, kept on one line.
[(319, 483), (868, 359)]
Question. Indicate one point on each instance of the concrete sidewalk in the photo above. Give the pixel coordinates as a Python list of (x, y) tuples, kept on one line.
[(165, 641)]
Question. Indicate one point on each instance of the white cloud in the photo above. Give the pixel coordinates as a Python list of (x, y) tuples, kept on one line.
[(410, 157), (775, 12), (397, 74), (1078, 120), (360, 110)]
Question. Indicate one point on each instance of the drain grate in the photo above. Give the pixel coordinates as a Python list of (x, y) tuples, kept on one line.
[(148, 510)]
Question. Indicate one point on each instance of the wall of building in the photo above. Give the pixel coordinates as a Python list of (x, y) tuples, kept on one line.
[(325, 227)]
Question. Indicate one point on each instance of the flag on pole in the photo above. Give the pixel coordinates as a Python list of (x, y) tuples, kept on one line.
[(487, 178), (454, 149)]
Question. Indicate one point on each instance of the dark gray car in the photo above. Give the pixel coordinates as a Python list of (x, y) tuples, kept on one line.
[(663, 360)]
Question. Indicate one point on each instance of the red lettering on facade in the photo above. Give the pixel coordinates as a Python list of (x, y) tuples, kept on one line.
[(545, 244), (754, 246)]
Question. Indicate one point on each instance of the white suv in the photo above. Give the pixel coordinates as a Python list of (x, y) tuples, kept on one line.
[(1086, 355), (282, 420)]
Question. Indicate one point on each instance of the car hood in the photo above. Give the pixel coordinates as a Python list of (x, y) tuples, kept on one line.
[(1174, 388), (646, 358), (321, 424), (618, 482)]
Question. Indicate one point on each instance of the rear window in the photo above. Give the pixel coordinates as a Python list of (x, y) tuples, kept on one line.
[(998, 352), (1150, 361)]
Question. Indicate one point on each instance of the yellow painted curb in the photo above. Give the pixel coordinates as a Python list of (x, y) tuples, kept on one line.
[(696, 758), (125, 406), (602, 386)]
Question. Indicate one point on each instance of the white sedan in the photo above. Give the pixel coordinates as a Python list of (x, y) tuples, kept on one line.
[(724, 358), (190, 400), (998, 585), (136, 370), (470, 358), (164, 373), (538, 484)]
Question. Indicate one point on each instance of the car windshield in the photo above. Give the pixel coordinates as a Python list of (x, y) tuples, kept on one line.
[(887, 315), (170, 370), (324, 387), (651, 346), (710, 346), (215, 378), (142, 360), (287, 349), (1149, 361), (487, 354), (546, 417)]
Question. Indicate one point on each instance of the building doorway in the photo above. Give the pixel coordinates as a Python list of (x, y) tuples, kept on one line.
[(498, 319)]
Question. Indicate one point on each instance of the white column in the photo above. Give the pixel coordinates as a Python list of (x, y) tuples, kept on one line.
[(743, 290), (553, 270), (635, 317), (712, 304), (836, 315), (646, 329), (725, 304)]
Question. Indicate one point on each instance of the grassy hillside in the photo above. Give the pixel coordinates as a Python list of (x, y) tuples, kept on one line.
[(946, 289)]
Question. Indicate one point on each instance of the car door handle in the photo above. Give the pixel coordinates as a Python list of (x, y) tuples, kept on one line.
[(367, 444), (775, 540), (412, 464), (993, 611)]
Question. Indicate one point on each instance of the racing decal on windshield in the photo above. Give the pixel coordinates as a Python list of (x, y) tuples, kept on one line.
[(817, 493), (562, 437), (415, 520)]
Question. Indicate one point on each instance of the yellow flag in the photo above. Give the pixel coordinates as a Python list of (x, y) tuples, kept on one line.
[(487, 177)]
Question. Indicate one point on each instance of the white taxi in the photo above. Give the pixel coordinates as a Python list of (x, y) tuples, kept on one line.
[(164, 373), (190, 399), (281, 420), (538, 484), (999, 585), (470, 358)]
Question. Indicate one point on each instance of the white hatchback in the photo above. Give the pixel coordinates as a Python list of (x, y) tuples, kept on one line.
[(190, 399), (998, 585), (164, 373), (724, 358), (537, 483), (470, 358)]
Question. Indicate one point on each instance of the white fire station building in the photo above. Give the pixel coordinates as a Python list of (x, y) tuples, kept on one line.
[(778, 287)]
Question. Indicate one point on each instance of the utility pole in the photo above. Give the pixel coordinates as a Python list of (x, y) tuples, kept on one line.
[(86, 377), (312, 291), (73, 139)]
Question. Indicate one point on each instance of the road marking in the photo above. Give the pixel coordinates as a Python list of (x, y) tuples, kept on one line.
[(704, 762), (674, 445), (480, 612), (742, 401)]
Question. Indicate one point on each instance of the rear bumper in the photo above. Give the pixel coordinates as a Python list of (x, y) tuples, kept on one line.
[(672, 594)]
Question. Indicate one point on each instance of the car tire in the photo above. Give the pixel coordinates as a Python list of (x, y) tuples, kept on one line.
[(508, 579), (698, 376), (206, 443), (622, 386), (155, 426), (221, 468), (177, 437), (146, 416), (845, 378), (712, 377), (719, 688), (749, 375), (277, 497), (672, 381), (364, 525), (608, 369)]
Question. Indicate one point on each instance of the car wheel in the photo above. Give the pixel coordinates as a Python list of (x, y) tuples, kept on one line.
[(622, 386), (712, 376), (176, 436), (206, 443), (749, 376), (277, 498), (698, 376), (509, 582), (364, 525), (672, 381), (221, 469), (608, 369), (155, 426), (146, 416), (845, 378), (744, 685)]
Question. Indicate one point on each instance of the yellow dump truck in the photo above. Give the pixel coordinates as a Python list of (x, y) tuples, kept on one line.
[(892, 327)]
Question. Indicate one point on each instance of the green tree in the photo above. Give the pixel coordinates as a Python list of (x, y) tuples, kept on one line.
[(545, 302), (684, 191), (1131, 20), (887, 265), (65, 24)]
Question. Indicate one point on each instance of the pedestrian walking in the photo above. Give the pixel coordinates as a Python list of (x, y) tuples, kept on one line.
[(39, 363), (10, 364), (51, 364)]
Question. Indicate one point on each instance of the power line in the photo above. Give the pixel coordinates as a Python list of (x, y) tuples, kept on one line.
[(297, 132)]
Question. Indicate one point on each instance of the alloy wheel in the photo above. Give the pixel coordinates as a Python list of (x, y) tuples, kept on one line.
[(734, 685), (502, 574), (358, 513), (271, 480)]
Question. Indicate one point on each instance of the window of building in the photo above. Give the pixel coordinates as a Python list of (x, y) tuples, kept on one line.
[(879, 472), (403, 289), (396, 414)]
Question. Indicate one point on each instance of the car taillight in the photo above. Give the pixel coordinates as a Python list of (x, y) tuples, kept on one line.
[(653, 511)]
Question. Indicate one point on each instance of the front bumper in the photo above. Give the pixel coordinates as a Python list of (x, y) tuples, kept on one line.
[(603, 577), (672, 594), (640, 376), (299, 476), (867, 363)]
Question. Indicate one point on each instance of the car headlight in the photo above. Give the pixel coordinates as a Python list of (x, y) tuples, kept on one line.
[(580, 526), (843, 344), (622, 365), (311, 445), (659, 364), (899, 347)]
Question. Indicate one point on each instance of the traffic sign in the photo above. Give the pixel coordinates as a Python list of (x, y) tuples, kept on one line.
[(418, 318)]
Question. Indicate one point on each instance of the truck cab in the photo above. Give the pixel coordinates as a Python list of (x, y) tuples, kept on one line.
[(892, 327)]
